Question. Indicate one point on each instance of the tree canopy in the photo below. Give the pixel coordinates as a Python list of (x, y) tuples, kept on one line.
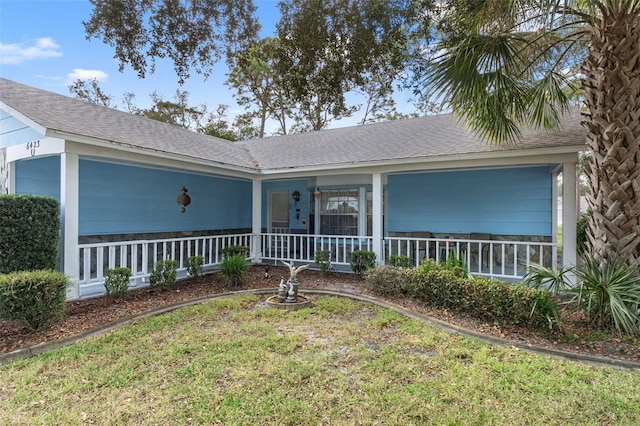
[(332, 47), (193, 34)]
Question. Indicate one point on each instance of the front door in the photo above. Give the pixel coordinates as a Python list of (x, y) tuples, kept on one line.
[(279, 212)]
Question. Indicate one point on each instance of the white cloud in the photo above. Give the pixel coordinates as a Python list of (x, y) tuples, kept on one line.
[(15, 54), (80, 74)]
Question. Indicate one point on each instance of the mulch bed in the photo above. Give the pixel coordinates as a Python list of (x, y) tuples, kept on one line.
[(82, 315)]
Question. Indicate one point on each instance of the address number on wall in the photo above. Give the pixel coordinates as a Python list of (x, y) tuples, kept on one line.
[(32, 147)]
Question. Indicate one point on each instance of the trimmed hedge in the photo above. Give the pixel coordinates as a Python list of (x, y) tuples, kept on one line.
[(34, 298), (164, 273), (116, 281), (30, 233), (489, 300), (387, 280), (194, 265), (362, 261)]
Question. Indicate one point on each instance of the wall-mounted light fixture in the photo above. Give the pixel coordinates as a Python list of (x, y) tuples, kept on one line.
[(183, 199), (317, 193), (296, 196)]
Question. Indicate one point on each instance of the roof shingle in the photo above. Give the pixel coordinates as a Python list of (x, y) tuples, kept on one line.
[(425, 137)]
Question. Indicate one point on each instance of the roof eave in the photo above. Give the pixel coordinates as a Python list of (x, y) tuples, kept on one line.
[(466, 158), (149, 151)]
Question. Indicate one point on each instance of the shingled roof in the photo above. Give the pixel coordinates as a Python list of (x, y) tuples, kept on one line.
[(436, 136), (68, 116), (432, 137)]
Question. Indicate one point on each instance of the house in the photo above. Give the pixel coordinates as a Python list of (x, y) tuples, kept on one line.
[(422, 187)]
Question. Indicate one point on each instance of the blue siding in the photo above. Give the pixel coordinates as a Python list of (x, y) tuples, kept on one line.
[(39, 176), (500, 201), (15, 132), (117, 199), (290, 186)]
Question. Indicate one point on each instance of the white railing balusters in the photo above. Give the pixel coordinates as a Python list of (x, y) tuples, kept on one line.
[(140, 255)]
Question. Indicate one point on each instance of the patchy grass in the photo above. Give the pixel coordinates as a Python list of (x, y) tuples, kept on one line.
[(234, 361)]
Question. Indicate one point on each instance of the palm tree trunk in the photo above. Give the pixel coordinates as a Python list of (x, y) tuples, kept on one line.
[(614, 136)]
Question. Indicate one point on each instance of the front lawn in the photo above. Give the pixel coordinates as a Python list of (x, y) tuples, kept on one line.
[(236, 361)]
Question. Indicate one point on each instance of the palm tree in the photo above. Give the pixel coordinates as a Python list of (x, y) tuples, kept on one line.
[(502, 65)]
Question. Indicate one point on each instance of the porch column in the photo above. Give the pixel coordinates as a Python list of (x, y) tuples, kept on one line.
[(569, 217), (11, 169), (256, 221), (377, 214), (69, 205)]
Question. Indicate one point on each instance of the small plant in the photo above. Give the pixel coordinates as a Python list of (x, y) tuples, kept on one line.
[(457, 265), (400, 261), (323, 260), (609, 294), (116, 281), (164, 273), (34, 298), (235, 250), (234, 269), (194, 265), (549, 279), (362, 261)]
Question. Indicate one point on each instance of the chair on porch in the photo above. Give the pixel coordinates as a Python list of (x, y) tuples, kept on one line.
[(474, 247), (423, 246)]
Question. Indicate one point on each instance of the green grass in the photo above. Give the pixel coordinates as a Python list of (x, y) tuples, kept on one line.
[(235, 362)]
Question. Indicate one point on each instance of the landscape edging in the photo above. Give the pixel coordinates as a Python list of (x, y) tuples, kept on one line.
[(453, 329)]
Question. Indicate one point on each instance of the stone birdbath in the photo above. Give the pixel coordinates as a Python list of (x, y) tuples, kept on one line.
[(288, 297)]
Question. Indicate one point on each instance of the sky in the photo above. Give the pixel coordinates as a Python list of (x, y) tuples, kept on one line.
[(43, 44)]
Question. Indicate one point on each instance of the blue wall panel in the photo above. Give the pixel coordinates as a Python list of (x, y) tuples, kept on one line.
[(498, 201), (39, 176), (15, 132), (117, 199)]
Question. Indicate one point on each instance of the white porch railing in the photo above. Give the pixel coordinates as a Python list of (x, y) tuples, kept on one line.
[(302, 247), (493, 258), (141, 255)]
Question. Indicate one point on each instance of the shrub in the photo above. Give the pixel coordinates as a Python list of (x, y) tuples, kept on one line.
[(30, 233), (609, 294), (513, 304), (442, 288), (361, 261), (235, 250), (389, 280), (34, 298), (234, 269), (116, 282), (194, 265), (400, 261), (491, 300), (164, 273), (323, 259)]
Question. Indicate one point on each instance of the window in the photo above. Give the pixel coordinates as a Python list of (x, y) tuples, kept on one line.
[(339, 212)]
